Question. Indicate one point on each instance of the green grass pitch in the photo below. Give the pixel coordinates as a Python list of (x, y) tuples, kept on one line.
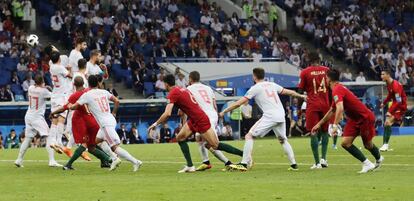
[(268, 180)]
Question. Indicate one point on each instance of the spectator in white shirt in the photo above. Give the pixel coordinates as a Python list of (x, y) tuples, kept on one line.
[(295, 58), (181, 81), (159, 85), (216, 25), (347, 75), (360, 78), (5, 45), (56, 23), (27, 83), (22, 65)]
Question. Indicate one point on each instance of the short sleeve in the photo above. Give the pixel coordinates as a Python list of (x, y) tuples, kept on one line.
[(173, 96), (46, 93), (72, 99), (278, 88), (108, 94), (63, 71), (338, 95), (301, 84), (83, 99), (251, 93)]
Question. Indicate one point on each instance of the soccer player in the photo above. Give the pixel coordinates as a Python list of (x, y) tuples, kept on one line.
[(76, 53), (94, 65), (397, 109), (84, 133), (35, 121), (62, 88), (198, 122), (313, 82), (206, 99), (97, 101), (266, 96), (360, 121)]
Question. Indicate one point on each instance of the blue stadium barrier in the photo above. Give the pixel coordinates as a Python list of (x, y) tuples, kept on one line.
[(409, 130)]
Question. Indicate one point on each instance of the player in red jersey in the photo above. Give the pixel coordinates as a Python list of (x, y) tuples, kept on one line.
[(198, 122), (397, 109), (360, 121), (85, 127), (313, 81)]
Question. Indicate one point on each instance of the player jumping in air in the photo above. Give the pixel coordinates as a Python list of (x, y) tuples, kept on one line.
[(97, 101), (313, 82), (84, 133), (35, 121), (360, 121), (198, 122), (266, 96), (397, 109), (206, 99)]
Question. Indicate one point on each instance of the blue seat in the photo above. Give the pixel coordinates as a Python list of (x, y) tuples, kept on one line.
[(16, 89), (149, 89), (19, 98)]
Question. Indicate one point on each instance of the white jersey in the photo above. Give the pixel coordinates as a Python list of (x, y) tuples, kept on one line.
[(93, 69), (62, 85), (266, 96), (83, 76), (205, 98), (98, 103), (37, 101), (74, 57), (64, 61)]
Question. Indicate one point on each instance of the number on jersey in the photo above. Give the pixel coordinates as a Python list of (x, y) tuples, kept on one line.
[(55, 80), (203, 93), (33, 100), (103, 104), (321, 88), (271, 94)]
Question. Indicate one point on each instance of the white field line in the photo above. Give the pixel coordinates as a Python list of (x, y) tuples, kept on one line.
[(182, 162)]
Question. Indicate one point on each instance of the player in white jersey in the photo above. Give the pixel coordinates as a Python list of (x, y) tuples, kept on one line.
[(206, 99), (35, 121), (76, 54), (94, 65), (62, 89), (97, 101), (266, 96)]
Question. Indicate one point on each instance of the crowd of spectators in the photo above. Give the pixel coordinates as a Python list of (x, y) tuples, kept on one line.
[(13, 141), (371, 35)]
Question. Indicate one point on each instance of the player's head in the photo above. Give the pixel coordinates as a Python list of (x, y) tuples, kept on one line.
[(93, 81), (314, 58), (333, 76), (258, 74), (82, 64), (169, 81), (78, 82), (94, 56), (101, 83), (194, 77), (39, 81), (55, 57), (49, 49), (80, 44), (385, 75)]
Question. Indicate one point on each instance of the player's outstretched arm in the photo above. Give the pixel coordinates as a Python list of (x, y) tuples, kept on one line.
[(163, 117), (59, 110), (289, 92), (116, 105), (233, 106), (326, 118), (105, 71)]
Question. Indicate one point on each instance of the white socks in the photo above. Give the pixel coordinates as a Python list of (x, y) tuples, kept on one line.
[(125, 155), (203, 151), (24, 146), (219, 155), (247, 151), (51, 138), (50, 151), (59, 133), (289, 152), (105, 147)]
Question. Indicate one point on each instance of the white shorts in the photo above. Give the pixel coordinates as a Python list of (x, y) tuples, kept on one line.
[(57, 102), (264, 125), (108, 133), (36, 125)]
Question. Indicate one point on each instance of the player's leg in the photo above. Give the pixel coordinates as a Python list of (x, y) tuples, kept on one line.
[(43, 129), (335, 140), (59, 135), (280, 132), (52, 138), (367, 134), (324, 147), (100, 154), (203, 153), (79, 131), (78, 152), (30, 132), (211, 138), (312, 118), (387, 131), (182, 136)]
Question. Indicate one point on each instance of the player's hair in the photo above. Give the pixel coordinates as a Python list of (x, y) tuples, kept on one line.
[(94, 53), (80, 40), (38, 79), (259, 73), (99, 77), (93, 81), (195, 76), (82, 63), (78, 81), (387, 71), (55, 56), (169, 79), (314, 57), (48, 49), (333, 75)]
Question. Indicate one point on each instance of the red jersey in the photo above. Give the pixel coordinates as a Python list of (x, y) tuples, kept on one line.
[(353, 107), (313, 81), (83, 110), (185, 101), (397, 94)]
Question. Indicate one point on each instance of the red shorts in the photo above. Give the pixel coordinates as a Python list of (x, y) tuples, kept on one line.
[(84, 129), (364, 127), (313, 117), (200, 126), (396, 112)]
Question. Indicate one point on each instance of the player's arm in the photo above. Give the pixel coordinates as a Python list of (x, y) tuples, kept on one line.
[(387, 99), (75, 106), (292, 93), (105, 73), (59, 110), (233, 106), (182, 116), (116, 105), (325, 119), (164, 116)]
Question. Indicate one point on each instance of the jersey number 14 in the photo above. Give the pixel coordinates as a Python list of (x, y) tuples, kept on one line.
[(321, 88)]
